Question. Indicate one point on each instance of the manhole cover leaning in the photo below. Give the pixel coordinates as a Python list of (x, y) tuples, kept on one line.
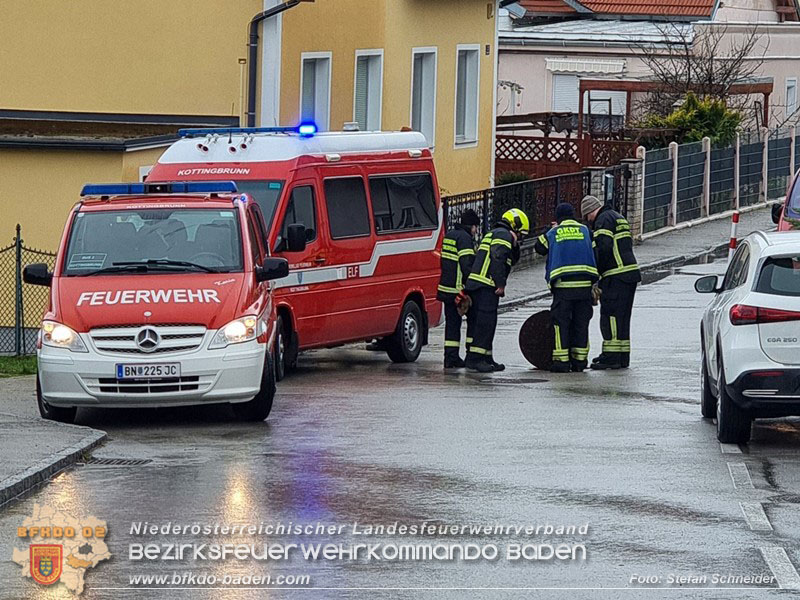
[(537, 339)]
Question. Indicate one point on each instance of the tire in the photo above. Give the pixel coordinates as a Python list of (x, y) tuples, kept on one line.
[(53, 413), (259, 407), (733, 422), (405, 344), (280, 350), (708, 402)]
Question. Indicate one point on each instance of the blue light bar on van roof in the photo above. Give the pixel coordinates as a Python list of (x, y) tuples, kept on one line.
[(173, 187), (305, 130)]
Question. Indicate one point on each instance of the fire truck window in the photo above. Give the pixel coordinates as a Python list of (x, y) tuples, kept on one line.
[(301, 211), (346, 199), (403, 202), (265, 193), (255, 246)]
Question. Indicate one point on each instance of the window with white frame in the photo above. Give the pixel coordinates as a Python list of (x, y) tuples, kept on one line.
[(791, 96), (368, 89), (423, 93), (315, 85), (467, 86)]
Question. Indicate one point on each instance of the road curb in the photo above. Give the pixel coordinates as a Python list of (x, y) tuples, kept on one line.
[(17, 484), (658, 265)]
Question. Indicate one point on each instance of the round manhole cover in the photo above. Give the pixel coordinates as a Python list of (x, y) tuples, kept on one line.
[(512, 380)]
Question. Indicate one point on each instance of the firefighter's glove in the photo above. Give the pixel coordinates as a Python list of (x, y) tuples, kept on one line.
[(596, 294), (463, 303)]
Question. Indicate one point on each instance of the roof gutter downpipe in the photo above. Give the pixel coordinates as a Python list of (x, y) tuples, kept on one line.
[(252, 59)]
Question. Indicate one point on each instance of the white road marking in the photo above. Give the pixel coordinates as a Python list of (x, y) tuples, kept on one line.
[(755, 516), (783, 569), (740, 476), (730, 448)]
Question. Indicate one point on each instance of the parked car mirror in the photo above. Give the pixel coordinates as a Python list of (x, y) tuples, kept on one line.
[(37, 274), (777, 211), (296, 237), (273, 268), (707, 284)]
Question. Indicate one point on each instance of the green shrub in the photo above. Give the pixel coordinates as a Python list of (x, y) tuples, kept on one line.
[(698, 118), (511, 177)]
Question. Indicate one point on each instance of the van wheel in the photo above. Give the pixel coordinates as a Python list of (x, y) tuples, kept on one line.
[(733, 422), (280, 350), (708, 402), (405, 344), (53, 413), (259, 407)]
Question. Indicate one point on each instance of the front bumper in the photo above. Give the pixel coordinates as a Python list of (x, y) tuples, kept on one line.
[(775, 395), (231, 374)]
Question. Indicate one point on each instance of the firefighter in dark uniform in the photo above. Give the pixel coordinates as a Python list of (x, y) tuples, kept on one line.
[(497, 253), (571, 272), (619, 275), (458, 254)]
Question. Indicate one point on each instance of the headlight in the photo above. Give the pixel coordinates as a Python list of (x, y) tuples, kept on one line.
[(60, 336), (236, 332)]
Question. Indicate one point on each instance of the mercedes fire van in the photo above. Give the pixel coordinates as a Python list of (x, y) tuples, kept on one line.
[(161, 296), (367, 205)]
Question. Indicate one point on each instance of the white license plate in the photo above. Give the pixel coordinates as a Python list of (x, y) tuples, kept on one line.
[(148, 371)]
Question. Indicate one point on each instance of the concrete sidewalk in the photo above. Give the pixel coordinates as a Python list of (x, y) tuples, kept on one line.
[(672, 248), (34, 449)]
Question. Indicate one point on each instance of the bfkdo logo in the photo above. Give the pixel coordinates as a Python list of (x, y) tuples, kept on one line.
[(61, 547)]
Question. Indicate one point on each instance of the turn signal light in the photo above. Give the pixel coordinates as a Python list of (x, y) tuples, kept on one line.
[(741, 314)]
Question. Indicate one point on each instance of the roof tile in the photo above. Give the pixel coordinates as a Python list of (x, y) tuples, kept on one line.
[(683, 8)]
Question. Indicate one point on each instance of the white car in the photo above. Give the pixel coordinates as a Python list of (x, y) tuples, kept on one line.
[(751, 336)]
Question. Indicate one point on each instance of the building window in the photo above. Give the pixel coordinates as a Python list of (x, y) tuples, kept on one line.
[(346, 200), (566, 94), (791, 96), (401, 202), (467, 86), (315, 83), (423, 93), (368, 89)]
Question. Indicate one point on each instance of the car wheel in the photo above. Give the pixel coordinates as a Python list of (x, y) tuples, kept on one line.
[(406, 343), (733, 422), (54, 413), (280, 350), (259, 407), (708, 402)]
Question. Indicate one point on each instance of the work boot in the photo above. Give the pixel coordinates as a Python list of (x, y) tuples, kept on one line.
[(610, 360), (478, 363), (599, 357), (625, 360), (578, 366), (453, 362), (496, 366), (560, 367)]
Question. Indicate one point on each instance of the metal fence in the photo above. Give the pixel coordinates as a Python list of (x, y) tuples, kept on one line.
[(21, 305), (537, 197), (657, 189)]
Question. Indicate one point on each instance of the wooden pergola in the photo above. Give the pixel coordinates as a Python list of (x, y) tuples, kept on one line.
[(631, 86)]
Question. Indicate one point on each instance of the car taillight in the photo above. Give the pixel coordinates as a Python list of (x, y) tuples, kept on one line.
[(741, 314)]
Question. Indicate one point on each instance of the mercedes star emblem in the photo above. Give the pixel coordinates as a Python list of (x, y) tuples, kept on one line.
[(148, 339)]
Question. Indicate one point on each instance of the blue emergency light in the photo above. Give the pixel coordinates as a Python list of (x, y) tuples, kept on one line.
[(304, 129), (173, 187)]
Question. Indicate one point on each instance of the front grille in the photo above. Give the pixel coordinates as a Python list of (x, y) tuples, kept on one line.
[(110, 385), (173, 339)]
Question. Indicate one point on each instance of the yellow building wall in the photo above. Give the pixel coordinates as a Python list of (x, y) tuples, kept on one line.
[(145, 56), (398, 26)]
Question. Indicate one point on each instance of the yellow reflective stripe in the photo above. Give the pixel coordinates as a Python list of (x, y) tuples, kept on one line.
[(451, 344), (469, 340), (543, 241), (600, 232), (570, 222), (579, 353), (620, 270), (466, 252), (476, 350), (623, 235), (573, 269), (558, 338), (613, 321), (617, 256), (481, 279), (501, 242), (448, 256), (449, 290), (572, 284)]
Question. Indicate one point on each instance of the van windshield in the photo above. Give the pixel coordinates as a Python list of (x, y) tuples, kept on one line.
[(266, 195), (154, 240)]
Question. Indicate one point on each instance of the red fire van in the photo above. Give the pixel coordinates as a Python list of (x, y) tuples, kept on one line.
[(160, 297), (367, 205)]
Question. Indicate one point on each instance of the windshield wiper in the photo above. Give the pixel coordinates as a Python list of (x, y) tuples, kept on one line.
[(117, 268), (165, 262)]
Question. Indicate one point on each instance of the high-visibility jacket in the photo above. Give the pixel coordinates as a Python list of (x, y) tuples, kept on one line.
[(458, 254), (614, 247), (570, 258), (496, 254)]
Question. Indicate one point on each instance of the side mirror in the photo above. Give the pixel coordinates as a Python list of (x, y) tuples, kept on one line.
[(37, 274), (777, 211), (273, 268), (707, 284), (296, 238)]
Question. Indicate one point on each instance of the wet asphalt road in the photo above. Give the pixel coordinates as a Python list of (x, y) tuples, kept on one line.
[(354, 438)]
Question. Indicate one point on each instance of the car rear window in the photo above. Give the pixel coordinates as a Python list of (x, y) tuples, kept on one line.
[(780, 276)]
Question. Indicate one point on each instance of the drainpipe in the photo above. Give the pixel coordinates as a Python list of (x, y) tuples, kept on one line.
[(252, 60)]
